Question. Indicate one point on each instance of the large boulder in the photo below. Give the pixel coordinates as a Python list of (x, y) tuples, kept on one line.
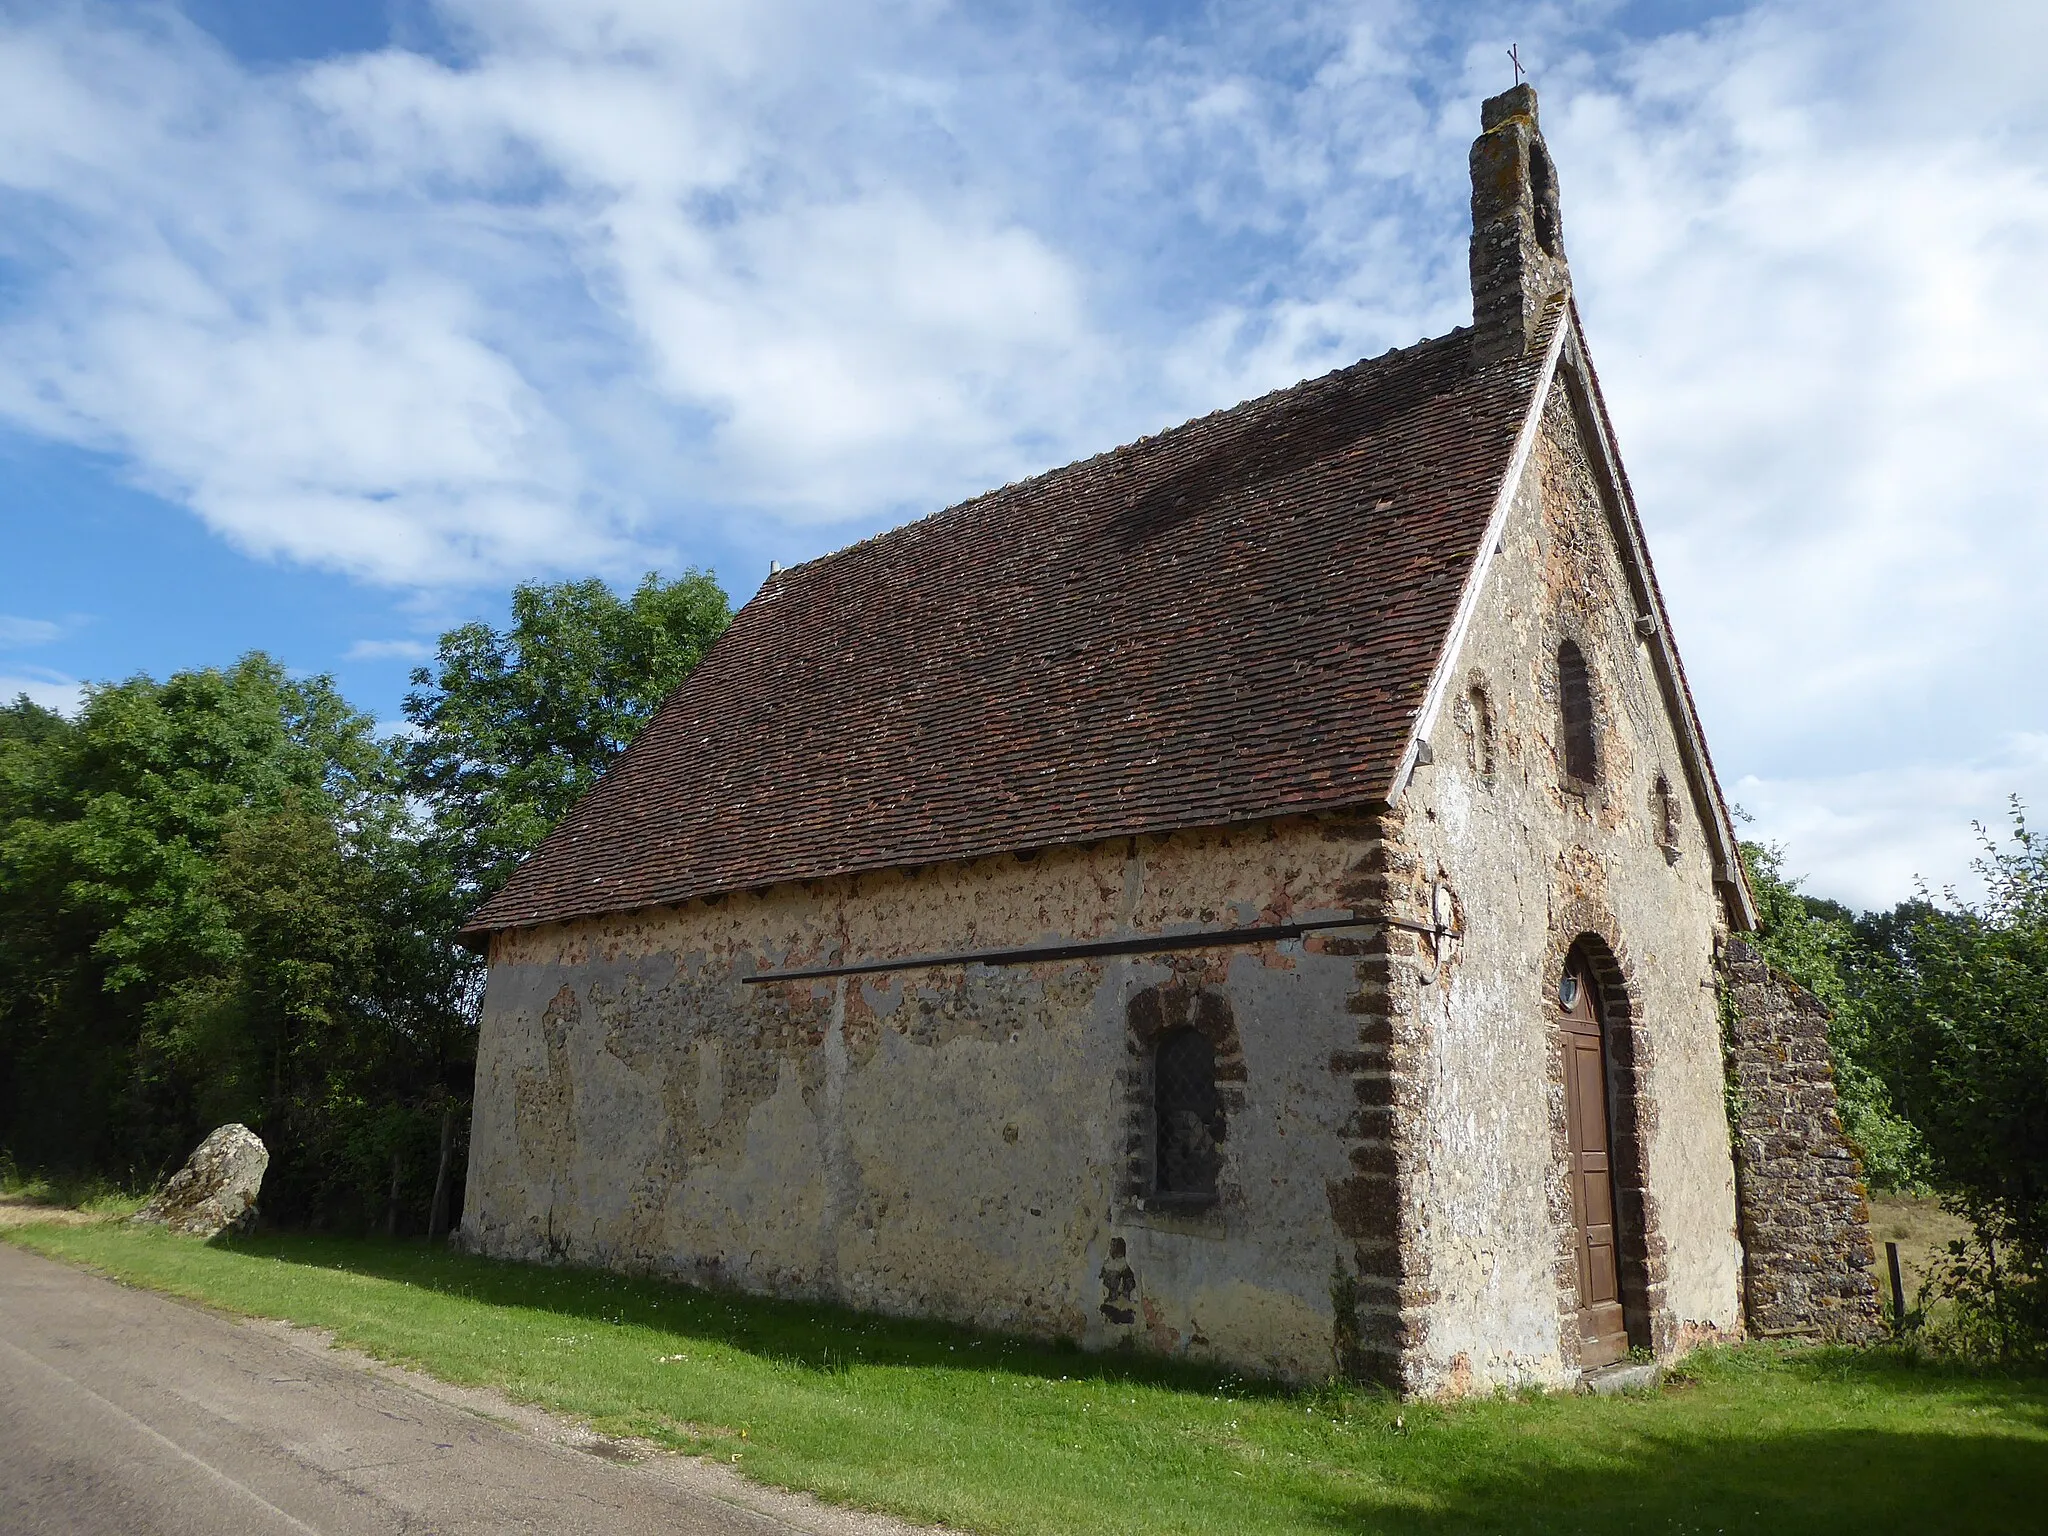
[(217, 1187)]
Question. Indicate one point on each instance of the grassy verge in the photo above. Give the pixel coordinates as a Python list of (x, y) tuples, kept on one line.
[(25, 1198), (1923, 1231), (998, 1435)]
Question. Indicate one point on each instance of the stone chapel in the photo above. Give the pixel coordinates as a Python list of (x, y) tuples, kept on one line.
[(1260, 894)]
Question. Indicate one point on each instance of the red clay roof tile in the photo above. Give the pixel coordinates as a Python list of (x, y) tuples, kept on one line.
[(1229, 621)]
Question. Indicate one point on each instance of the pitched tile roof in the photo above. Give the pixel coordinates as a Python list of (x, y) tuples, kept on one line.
[(1232, 620)]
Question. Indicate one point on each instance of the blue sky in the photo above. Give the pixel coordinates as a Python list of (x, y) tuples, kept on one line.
[(322, 325)]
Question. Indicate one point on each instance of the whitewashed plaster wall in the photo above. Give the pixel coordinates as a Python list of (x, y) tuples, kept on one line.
[(1534, 863)]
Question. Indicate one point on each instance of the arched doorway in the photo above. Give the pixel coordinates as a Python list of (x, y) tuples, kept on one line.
[(1589, 1138)]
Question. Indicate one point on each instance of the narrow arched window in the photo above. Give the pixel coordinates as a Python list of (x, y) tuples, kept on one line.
[(1479, 711), (1543, 195), (1575, 704), (1664, 813), (1190, 1114)]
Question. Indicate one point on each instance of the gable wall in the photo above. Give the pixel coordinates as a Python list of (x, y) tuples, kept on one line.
[(955, 1141), (1533, 864)]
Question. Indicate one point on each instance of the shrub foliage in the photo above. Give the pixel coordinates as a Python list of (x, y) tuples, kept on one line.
[(1940, 1037), (225, 896)]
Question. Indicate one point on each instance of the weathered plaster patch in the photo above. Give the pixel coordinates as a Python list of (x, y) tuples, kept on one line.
[(950, 1141)]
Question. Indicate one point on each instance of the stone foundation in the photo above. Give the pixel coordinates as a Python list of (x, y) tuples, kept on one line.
[(1808, 1264)]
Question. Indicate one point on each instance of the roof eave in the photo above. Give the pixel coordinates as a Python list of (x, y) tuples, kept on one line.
[(475, 935)]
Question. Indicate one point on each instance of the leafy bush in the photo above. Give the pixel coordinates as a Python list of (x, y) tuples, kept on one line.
[(1960, 1035), (224, 896)]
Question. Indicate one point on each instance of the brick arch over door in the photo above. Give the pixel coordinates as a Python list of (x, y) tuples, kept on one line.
[(1587, 933)]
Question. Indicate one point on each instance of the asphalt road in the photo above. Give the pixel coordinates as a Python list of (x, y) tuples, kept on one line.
[(125, 1412)]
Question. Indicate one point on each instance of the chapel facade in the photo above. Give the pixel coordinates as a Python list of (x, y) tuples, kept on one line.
[(1259, 894)]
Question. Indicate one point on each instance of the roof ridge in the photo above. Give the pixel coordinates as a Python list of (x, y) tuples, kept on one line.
[(1076, 466), (1229, 620)]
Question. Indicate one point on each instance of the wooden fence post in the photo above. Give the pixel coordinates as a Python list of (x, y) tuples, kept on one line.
[(1891, 1258), (397, 1183), (437, 1221)]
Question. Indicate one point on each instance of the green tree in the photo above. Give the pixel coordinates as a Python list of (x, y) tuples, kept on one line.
[(1961, 1037), (224, 896), (107, 839), (206, 886), (513, 725)]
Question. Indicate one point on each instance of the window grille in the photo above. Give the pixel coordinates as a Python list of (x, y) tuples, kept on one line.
[(1190, 1114)]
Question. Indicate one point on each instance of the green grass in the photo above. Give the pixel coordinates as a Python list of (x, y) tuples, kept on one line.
[(89, 1194), (999, 1435)]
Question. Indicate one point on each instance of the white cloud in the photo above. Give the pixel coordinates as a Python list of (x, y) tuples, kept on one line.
[(613, 275), (212, 309), (428, 323), (389, 650), (52, 690), (19, 631), (1808, 257), (1871, 838)]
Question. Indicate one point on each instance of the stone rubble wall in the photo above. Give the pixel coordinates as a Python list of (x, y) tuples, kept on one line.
[(971, 1142), (1809, 1266)]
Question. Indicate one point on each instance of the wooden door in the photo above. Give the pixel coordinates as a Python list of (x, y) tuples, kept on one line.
[(1603, 1335)]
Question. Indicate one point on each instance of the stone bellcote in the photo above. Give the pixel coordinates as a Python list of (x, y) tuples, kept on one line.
[(1518, 263)]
